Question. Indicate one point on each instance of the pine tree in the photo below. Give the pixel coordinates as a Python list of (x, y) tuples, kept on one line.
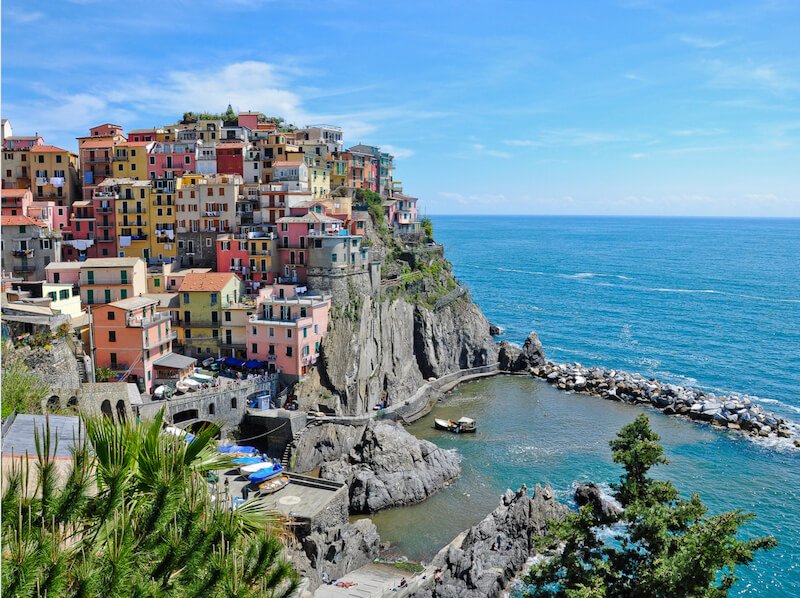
[(664, 546)]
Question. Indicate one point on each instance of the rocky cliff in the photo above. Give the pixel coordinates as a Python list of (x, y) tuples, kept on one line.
[(389, 467), (482, 562)]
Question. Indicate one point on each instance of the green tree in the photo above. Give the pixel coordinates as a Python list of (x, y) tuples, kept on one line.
[(427, 227), (103, 374), (666, 546), (21, 389), (132, 516)]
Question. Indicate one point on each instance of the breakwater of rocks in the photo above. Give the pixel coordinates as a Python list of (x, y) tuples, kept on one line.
[(732, 412)]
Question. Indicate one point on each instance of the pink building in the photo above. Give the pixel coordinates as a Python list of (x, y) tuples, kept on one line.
[(232, 253), (63, 273), (249, 120), (172, 159), (294, 233), (16, 202), (287, 329), (129, 337)]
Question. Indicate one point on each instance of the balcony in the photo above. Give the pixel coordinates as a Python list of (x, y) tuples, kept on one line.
[(106, 240), (24, 268), (157, 342), (104, 209), (131, 210), (200, 324), (105, 225), (138, 237), (23, 253), (145, 322)]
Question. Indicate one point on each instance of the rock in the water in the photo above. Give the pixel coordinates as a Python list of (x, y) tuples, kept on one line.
[(508, 356), (496, 549), (494, 330), (532, 353), (590, 494), (390, 467)]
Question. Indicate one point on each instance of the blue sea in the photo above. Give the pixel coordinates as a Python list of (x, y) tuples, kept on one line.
[(712, 303)]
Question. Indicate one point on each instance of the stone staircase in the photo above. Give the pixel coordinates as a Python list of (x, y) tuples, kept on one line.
[(84, 375)]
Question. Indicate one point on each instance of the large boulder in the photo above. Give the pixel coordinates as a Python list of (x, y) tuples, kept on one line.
[(338, 550), (532, 354), (604, 507), (492, 553), (389, 467), (508, 355)]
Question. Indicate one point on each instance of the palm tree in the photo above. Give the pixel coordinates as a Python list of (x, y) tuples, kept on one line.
[(132, 516)]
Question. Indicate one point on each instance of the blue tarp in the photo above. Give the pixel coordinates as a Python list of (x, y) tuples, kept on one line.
[(252, 364), (233, 362)]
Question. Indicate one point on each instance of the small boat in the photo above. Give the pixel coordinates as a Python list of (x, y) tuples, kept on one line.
[(267, 473), (251, 468), (234, 449), (463, 425), (247, 460), (273, 485)]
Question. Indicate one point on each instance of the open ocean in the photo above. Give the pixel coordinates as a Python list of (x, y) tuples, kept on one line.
[(712, 303)]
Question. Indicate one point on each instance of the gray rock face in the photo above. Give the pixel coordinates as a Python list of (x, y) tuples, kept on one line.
[(390, 467), (508, 355), (494, 551), (383, 351), (590, 494), (323, 442), (338, 550), (532, 353)]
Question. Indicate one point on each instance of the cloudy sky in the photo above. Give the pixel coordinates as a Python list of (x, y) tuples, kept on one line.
[(603, 107)]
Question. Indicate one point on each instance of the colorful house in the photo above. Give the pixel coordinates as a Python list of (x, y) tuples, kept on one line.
[(16, 201), (294, 233), (17, 171), (230, 158), (97, 154), (203, 298), (171, 159), (28, 246), (104, 280), (130, 336), (287, 329), (130, 159)]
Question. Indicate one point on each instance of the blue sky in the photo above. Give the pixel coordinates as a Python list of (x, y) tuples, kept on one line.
[(601, 107)]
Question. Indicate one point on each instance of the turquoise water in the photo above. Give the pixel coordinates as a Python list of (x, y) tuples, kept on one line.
[(530, 432), (713, 303)]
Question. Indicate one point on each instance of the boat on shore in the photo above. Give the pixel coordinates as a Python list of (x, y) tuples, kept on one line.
[(461, 426), (273, 485), (266, 473)]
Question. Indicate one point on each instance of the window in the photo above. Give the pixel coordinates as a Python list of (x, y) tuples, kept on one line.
[(213, 302), (233, 402), (208, 241), (215, 334), (305, 332), (288, 333), (108, 295), (152, 160), (272, 332), (288, 351), (316, 328), (112, 336), (113, 357), (228, 317), (186, 298), (187, 159), (123, 276), (90, 277), (333, 258), (123, 293), (255, 348), (90, 296), (188, 334), (111, 315), (157, 282)]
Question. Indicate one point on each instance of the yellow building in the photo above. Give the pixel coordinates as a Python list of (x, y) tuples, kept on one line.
[(133, 222), (163, 222), (203, 300), (319, 177), (130, 159), (54, 174), (339, 171)]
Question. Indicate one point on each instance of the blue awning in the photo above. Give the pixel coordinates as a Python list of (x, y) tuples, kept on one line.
[(253, 364), (234, 362)]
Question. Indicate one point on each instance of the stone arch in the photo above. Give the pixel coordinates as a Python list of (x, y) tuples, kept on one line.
[(185, 415), (233, 402), (72, 403), (212, 408), (54, 403), (121, 411), (105, 409)]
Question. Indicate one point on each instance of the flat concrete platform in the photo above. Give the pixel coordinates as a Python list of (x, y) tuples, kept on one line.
[(304, 497), (371, 581)]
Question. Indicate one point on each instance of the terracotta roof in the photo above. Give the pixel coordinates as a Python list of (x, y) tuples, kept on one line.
[(101, 142), (212, 281), (233, 145), (50, 149), (15, 192), (20, 221)]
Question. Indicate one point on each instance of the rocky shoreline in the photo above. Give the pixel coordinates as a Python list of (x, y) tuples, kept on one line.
[(732, 412)]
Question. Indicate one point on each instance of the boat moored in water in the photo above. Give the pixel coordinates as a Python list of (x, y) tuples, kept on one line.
[(461, 426)]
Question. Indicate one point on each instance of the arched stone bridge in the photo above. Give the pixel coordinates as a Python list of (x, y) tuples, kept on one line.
[(224, 406)]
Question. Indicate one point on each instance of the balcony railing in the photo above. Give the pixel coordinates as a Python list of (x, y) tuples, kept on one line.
[(157, 342), (106, 240), (23, 268), (23, 253), (144, 322), (200, 324)]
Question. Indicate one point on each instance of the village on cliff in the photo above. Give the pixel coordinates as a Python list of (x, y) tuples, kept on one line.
[(212, 244)]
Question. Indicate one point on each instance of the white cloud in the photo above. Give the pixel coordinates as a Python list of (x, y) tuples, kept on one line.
[(701, 42), (397, 152), (569, 137), (479, 149), (22, 17), (750, 76), (639, 156), (698, 132)]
